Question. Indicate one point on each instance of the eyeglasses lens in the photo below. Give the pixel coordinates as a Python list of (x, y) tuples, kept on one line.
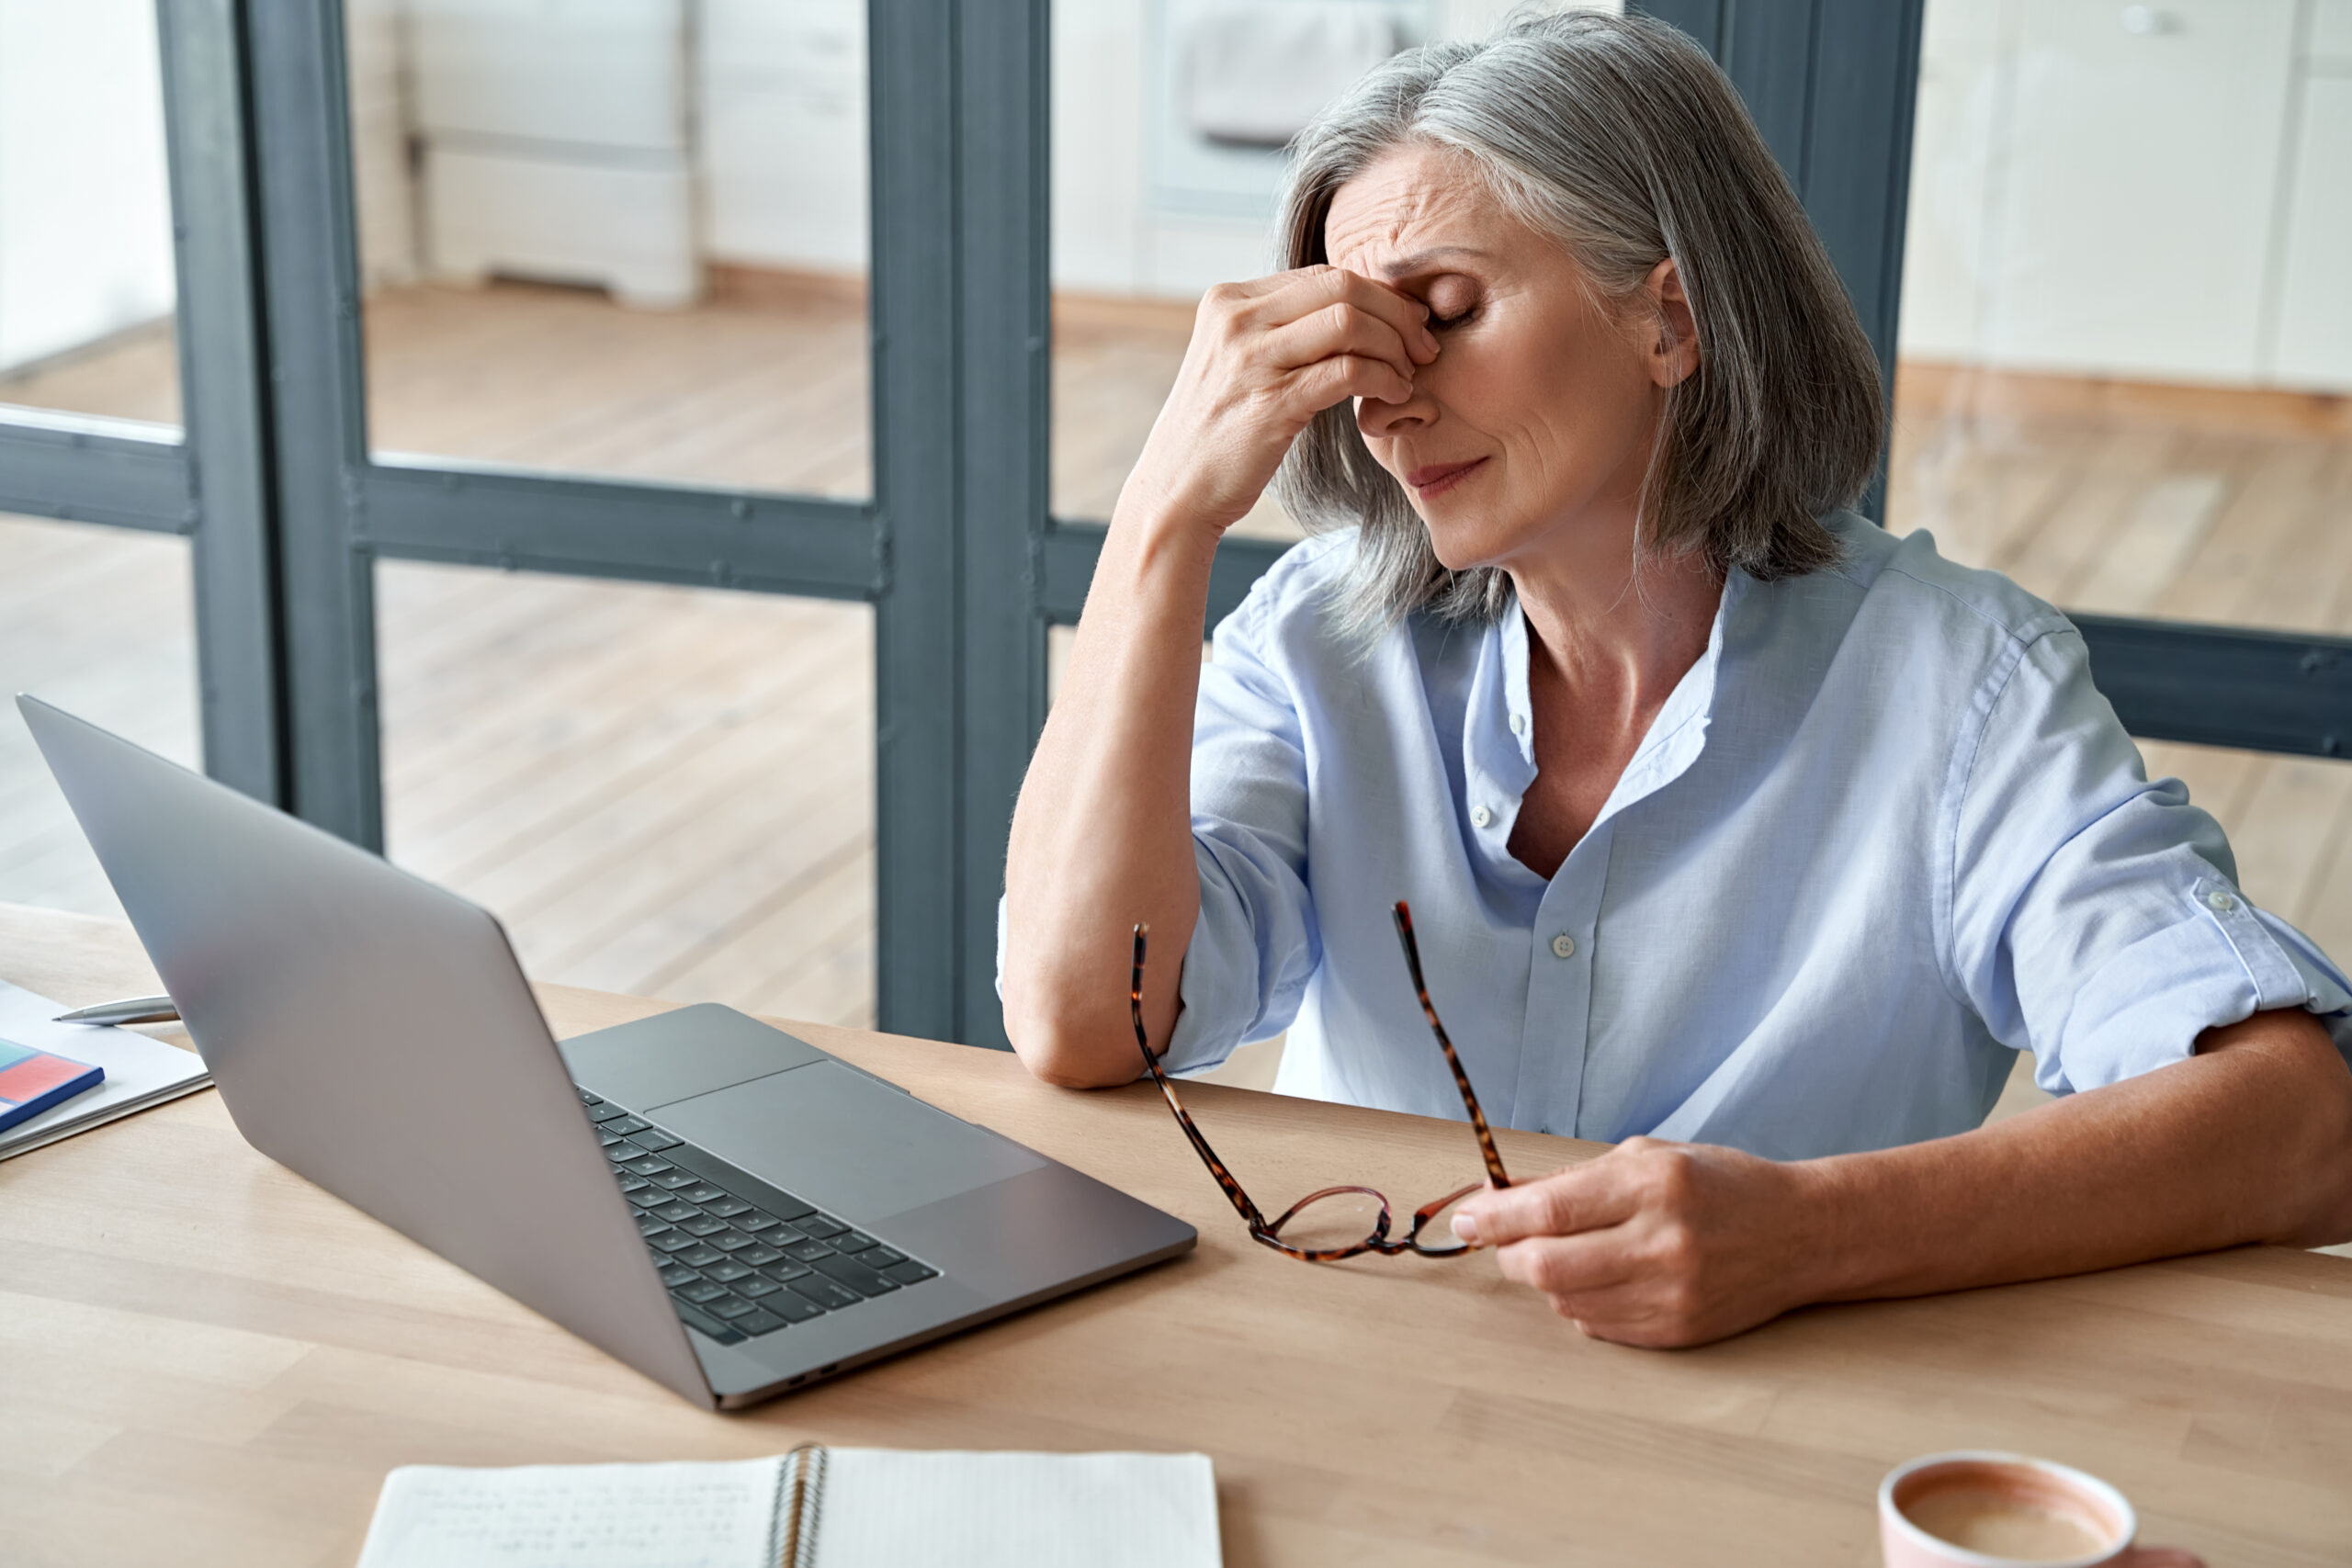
[(1333, 1221), (1437, 1231)]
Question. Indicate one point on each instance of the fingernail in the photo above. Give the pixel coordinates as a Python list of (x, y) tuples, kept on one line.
[(1428, 342), (1465, 1228)]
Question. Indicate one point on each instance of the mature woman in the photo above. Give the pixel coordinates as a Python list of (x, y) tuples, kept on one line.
[(1736, 830)]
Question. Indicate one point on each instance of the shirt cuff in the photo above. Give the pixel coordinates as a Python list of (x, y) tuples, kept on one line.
[(1208, 1000), (2223, 961)]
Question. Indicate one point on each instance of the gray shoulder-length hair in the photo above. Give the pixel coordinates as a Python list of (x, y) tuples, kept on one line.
[(1621, 138)]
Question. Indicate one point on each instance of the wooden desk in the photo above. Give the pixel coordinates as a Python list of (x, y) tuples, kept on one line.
[(206, 1360)]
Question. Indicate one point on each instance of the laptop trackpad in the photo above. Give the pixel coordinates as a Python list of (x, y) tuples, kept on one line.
[(831, 1136)]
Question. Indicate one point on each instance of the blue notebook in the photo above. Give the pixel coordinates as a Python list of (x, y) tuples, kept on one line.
[(31, 1081)]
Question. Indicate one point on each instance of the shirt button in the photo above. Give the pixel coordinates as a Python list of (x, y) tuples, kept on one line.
[(1563, 946), (1519, 724), (2220, 901), (1481, 817)]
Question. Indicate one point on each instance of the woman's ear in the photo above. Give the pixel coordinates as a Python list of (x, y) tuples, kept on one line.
[(1673, 349)]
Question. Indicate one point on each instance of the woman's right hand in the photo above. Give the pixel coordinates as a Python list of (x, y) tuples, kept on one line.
[(1266, 357)]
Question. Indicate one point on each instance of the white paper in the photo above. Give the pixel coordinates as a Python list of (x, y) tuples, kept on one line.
[(139, 1072), (577, 1516), (889, 1509)]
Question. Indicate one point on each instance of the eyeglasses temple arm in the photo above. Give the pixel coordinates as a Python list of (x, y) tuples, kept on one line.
[(1493, 1157), (1233, 1192)]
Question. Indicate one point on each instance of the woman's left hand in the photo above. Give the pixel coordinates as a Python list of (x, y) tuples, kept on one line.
[(1658, 1244)]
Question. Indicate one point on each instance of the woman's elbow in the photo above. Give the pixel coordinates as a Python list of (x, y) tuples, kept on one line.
[(2315, 1098), (2331, 1148), (1068, 1051)]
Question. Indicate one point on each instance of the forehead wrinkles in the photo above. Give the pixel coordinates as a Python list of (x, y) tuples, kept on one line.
[(1398, 204)]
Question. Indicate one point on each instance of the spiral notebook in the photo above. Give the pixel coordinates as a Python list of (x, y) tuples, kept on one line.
[(814, 1507)]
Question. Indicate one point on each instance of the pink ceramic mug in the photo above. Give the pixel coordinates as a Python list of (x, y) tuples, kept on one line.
[(1981, 1509)]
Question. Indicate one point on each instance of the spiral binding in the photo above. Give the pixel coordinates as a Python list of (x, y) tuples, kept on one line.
[(804, 1502)]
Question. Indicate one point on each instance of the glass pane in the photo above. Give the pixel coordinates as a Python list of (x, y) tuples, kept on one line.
[(85, 220), (664, 790), (100, 622), (2126, 336), (625, 238)]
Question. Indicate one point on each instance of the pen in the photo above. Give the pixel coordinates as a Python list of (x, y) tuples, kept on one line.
[(131, 1009)]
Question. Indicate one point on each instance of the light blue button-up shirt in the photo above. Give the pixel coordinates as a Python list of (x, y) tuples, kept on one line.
[(1882, 834)]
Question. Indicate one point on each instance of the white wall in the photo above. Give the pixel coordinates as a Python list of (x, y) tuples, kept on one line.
[(376, 35), (86, 236), (2147, 192), (783, 155)]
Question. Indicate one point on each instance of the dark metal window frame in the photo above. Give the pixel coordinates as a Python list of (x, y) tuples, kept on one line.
[(957, 553)]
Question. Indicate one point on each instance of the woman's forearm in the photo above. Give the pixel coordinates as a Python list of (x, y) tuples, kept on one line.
[(1101, 838), (2250, 1140)]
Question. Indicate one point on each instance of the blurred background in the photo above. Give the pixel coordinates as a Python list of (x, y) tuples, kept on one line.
[(628, 239)]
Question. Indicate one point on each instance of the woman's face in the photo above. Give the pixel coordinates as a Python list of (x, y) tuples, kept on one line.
[(1529, 433)]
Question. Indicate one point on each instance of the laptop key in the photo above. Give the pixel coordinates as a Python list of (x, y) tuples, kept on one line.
[(671, 1209), (587, 1098), (825, 1292), (791, 1208), (674, 1241), (702, 1292), (785, 1269), (702, 1191), (821, 1226), (753, 1288), (606, 1111), (880, 1256), (911, 1272), (624, 1125), (728, 1208), (733, 1306), (654, 1138), (794, 1308), (758, 1323), (697, 1254), (731, 1241), (632, 1183), (853, 1241), (807, 1251), (729, 1274), (650, 1226), (680, 1181), (646, 1165), (703, 1224), (695, 1317), (676, 1274), (758, 1255), (854, 1274), (646, 1196), (761, 1224)]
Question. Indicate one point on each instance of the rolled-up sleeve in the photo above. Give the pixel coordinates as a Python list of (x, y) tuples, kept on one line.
[(1255, 943), (2094, 916)]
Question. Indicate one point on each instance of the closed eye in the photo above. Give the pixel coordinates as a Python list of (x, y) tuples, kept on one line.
[(1439, 323)]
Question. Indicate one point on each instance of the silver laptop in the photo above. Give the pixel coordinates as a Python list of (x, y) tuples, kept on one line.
[(721, 1206)]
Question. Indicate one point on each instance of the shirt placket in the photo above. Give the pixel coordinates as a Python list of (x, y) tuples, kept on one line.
[(1559, 1020)]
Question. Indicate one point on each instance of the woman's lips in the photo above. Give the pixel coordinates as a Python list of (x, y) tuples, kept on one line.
[(1438, 478)]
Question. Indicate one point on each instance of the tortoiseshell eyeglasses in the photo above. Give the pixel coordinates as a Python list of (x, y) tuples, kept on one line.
[(1320, 1225)]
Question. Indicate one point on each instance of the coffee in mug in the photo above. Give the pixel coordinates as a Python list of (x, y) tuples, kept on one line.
[(1966, 1510)]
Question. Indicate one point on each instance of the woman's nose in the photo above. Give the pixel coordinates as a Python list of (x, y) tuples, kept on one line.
[(1377, 418)]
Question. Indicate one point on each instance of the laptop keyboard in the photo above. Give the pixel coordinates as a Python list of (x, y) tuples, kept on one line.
[(742, 1259)]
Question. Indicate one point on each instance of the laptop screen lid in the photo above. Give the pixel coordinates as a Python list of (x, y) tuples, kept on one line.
[(373, 1033)]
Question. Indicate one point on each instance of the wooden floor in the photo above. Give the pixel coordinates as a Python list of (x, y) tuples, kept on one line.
[(670, 791)]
